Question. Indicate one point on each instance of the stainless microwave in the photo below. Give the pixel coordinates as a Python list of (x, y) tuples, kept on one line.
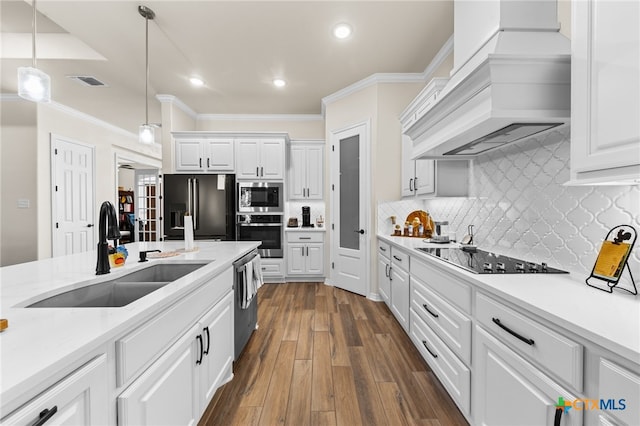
[(263, 197)]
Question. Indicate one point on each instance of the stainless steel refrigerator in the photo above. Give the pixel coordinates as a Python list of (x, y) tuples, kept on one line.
[(210, 199)]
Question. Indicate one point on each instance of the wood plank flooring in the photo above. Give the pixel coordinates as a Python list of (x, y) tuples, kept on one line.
[(324, 356)]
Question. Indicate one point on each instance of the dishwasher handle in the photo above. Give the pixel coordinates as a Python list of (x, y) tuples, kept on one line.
[(238, 264)]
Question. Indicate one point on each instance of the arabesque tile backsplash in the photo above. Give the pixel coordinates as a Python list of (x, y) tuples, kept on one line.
[(519, 207)]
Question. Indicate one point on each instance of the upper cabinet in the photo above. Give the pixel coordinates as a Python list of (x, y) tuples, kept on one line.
[(305, 173), (203, 153), (605, 88), (260, 159)]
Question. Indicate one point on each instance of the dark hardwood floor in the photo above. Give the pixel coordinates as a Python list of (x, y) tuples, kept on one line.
[(324, 356)]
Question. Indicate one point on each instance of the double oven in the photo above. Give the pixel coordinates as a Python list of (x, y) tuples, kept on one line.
[(260, 216)]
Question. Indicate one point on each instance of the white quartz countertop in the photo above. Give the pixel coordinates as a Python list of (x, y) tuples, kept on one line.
[(609, 320), (41, 341)]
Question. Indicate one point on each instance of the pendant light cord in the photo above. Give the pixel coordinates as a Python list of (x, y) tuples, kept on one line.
[(33, 36), (146, 81)]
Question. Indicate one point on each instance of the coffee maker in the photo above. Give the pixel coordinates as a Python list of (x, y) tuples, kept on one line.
[(306, 217)]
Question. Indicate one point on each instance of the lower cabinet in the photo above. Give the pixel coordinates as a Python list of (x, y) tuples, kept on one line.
[(508, 390), (400, 293), (305, 253), (179, 385), (384, 273), (81, 398)]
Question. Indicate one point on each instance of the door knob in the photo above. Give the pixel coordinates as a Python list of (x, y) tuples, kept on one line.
[(361, 231), (89, 225)]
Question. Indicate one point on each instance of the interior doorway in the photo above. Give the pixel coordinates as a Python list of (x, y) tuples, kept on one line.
[(138, 190)]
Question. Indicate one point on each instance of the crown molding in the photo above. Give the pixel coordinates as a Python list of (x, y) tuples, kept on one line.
[(378, 78), (260, 117), (91, 119), (177, 102), (443, 53)]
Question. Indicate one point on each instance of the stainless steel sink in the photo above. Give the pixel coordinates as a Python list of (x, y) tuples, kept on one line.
[(119, 291)]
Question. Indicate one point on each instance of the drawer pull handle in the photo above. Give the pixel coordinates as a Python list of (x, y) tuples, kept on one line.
[(424, 305), (397, 258), (386, 270), (424, 343), (199, 339), (558, 417), (304, 238), (529, 342), (45, 415), (383, 249), (206, 329)]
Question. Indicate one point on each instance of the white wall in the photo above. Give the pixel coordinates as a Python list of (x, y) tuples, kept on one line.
[(18, 230), (297, 129), (107, 140)]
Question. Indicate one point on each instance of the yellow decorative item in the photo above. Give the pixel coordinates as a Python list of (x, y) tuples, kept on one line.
[(418, 217), (117, 259)]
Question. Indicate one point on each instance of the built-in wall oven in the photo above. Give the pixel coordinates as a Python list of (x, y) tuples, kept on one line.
[(267, 228), (260, 197)]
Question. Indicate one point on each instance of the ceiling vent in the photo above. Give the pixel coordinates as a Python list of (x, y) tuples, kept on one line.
[(87, 80)]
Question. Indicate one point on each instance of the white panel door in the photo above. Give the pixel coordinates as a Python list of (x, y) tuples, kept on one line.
[(350, 201), (247, 164), (384, 285), (297, 176), (220, 154), (315, 172), (189, 155), (315, 259), (295, 258), (272, 159), (400, 296), (73, 196)]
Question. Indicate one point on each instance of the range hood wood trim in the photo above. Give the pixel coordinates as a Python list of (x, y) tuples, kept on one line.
[(502, 90)]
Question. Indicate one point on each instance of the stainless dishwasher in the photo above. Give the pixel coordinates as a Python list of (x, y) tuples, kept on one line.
[(245, 320)]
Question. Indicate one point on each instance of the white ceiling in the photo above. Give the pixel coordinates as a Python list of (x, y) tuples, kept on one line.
[(237, 47)]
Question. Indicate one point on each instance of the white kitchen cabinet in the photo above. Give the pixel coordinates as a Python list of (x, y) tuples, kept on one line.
[(204, 154), (432, 178), (620, 388), (306, 165), (177, 388), (605, 88), (305, 253), (260, 159), (166, 393), (81, 398), (384, 272), (508, 390), (400, 286)]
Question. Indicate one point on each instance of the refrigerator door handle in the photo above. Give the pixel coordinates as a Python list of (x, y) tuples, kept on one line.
[(189, 196), (196, 203)]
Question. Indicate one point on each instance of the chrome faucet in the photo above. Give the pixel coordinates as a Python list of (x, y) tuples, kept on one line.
[(107, 229)]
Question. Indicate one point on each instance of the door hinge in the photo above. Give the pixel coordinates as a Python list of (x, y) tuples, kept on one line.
[(333, 187), (333, 265), (55, 151), (56, 188), (159, 197), (333, 147), (57, 225), (332, 228)]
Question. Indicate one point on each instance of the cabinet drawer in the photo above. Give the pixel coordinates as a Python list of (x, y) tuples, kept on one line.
[(448, 287), (453, 327), (272, 267), (399, 259), (617, 383), (305, 237), (138, 348), (558, 354), (384, 249), (453, 374)]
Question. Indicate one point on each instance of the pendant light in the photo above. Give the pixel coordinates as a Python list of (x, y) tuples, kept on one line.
[(33, 84), (146, 133)]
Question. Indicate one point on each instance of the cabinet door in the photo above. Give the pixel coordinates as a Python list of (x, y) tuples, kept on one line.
[(384, 285), (315, 259), (247, 164), (79, 399), (165, 394), (425, 181), (400, 295), (218, 348), (295, 258), (271, 159), (315, 175), (220, 154), (408, 167), (509, 391), (605, 82), (298, 173), (189, 155)]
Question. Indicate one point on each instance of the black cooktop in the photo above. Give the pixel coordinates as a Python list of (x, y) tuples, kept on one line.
[(484, 262)]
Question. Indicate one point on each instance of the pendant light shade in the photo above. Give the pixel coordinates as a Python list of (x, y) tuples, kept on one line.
[(146, 132), (33, 84)]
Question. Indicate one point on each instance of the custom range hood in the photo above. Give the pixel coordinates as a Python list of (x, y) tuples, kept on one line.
[(511, 79)]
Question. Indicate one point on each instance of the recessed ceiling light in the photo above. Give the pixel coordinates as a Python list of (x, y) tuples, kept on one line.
[(342, 31), (278, 82), (196, 81)]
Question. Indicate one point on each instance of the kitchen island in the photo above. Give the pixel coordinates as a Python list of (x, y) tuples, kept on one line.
[(42, 346)]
